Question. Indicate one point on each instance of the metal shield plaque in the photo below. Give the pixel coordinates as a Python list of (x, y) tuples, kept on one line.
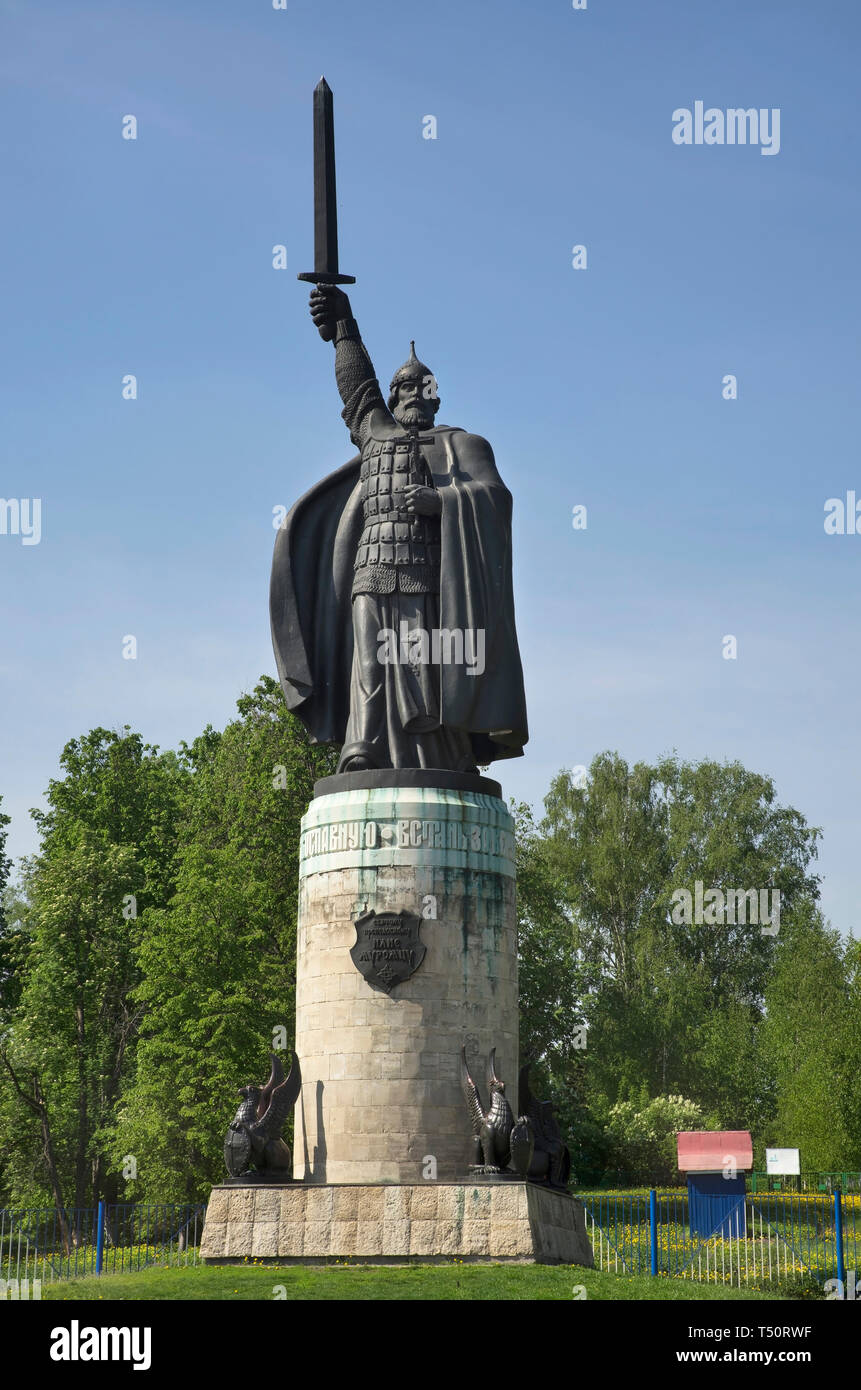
[(388, 947)]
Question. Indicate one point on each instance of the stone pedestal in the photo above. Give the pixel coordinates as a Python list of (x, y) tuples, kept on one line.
[(383, 1139), (503, 1221), (381, 1100)]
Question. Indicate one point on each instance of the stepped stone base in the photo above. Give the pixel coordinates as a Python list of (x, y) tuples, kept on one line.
[(388, 1223)]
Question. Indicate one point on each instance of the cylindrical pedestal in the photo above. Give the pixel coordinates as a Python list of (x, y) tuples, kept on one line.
[(381, 1098)]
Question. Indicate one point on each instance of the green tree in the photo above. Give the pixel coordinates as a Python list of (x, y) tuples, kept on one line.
[(75, 1023), (808, 1038), (552, 983), (850, 1053), (218, 965), (9, 929), (736, 1084), (552, 979), (668, 1003), (5, 863), (108, 839)]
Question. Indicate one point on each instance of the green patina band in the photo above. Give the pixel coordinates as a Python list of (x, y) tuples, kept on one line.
[(388, 826)]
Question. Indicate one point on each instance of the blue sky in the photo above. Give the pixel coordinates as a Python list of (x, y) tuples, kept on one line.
[(600, 387)]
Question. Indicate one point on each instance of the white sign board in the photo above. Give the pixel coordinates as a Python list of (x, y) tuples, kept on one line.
[(782, 1161)]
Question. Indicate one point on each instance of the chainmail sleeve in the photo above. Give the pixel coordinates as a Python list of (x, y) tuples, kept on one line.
[(356, 380)]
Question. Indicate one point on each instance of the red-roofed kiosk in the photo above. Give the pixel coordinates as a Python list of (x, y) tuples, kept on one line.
[(715, 1162)]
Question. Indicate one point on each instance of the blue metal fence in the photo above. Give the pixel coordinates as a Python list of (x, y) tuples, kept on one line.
[(774, 1239), (770, 1238), (40, 1244)]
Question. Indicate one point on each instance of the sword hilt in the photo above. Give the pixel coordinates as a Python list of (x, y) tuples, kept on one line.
[(326, 277)]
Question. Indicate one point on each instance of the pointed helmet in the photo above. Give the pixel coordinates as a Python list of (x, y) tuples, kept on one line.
[(410, 369)]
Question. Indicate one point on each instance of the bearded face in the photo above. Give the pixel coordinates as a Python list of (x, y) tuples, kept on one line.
[(413, 407)]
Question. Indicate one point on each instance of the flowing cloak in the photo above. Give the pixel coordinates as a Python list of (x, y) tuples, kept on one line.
[(311, 600)]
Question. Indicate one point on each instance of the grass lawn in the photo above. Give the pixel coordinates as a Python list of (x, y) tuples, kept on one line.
[(375, 1282)]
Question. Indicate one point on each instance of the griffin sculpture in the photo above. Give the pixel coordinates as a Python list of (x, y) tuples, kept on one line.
[(254, 1143), (491, 1128)]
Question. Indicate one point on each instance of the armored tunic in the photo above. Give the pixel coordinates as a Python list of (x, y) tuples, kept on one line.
[(396, 551)]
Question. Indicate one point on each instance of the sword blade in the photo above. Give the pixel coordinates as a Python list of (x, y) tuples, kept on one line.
[(325, 197)]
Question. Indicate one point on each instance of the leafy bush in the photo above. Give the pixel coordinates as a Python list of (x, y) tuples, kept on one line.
[(643, 1136)]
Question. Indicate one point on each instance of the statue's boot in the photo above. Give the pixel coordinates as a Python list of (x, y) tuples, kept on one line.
[(357, 757), (467, 765)]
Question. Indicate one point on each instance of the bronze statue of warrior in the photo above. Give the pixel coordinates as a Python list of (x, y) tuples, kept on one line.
[(391, 600)]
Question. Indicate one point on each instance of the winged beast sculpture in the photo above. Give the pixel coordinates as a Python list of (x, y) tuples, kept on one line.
[(254, 1142), (492, 1127)]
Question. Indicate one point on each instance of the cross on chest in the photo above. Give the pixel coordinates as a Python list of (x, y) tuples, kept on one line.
[(415, 442)]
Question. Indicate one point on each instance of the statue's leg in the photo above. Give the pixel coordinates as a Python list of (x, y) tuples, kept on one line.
[(365, 742), (395, 687), (416, 737)]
